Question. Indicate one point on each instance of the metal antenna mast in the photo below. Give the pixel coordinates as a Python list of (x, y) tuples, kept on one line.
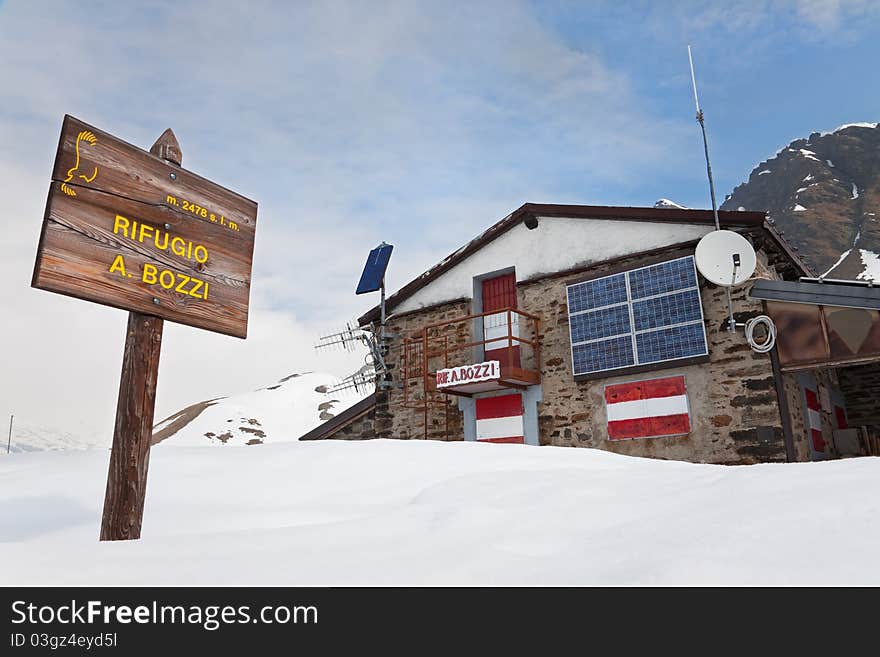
[(731, 325), (375, 371), (705, 141)]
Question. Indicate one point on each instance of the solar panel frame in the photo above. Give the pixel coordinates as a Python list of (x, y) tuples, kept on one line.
[(667, 290), (374, 269)]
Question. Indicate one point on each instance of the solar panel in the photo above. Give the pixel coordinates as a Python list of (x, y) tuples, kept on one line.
[(671, 343), (603, 292), (676, 308), (603, 355), (646, 315), (374, 270), (596, 325), (664, 277)]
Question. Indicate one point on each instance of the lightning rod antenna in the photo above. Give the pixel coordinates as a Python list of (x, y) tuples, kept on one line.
[(705, 141), (731, 323)]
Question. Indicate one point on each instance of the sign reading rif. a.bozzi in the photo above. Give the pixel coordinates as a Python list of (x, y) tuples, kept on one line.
[(127, 229), (478, 372)]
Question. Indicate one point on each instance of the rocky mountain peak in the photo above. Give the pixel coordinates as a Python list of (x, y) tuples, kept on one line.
[(823, 194)]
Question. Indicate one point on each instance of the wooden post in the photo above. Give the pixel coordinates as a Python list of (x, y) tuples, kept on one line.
[(130, 455)]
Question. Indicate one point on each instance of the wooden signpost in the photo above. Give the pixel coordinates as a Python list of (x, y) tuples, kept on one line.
[(134, 230)]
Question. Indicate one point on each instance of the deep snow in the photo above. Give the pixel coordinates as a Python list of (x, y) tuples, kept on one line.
[(401, 512)]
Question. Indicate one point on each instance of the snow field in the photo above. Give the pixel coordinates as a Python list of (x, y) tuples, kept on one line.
[(417, 512)]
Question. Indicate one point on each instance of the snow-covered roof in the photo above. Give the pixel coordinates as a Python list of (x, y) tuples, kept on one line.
[(663, 218)]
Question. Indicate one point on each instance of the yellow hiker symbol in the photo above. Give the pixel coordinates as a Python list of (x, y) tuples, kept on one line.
[(86, 136)]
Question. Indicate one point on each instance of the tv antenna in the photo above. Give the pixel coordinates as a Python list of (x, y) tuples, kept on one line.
[(349, 340), (374, 369)]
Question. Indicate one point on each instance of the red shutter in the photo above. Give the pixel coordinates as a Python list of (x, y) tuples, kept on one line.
[(499, 293)]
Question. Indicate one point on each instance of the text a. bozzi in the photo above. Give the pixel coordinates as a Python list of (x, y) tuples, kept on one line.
[(151, 274)]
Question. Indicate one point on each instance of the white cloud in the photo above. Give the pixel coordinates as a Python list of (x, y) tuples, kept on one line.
[(831, 16), (417, 123), (822, 14), (739, 36)]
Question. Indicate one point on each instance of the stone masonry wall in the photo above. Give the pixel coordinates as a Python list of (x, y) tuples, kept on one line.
[(798, 421), (401, 421), (730, 396), (362, 427)]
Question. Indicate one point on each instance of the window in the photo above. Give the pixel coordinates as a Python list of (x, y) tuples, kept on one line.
[(639, 317)]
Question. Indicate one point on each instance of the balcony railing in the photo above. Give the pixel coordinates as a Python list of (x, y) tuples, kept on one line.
[(514, 342)]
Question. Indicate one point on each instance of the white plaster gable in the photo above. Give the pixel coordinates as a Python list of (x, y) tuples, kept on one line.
[(557, 244)]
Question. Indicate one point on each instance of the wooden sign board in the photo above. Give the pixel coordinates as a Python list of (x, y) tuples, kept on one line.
[(127, 229)]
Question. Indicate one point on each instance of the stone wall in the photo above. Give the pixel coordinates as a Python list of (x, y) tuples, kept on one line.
[(402, 415), (730, 397), (362, 427), (798, 420)]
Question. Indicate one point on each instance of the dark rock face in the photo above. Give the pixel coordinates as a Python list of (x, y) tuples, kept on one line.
[(823, 193)]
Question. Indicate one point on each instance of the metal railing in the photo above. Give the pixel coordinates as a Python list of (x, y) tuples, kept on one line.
[(440, 345), (450, 342)]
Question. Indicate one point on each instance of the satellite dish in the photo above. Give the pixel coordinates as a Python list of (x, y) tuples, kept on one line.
[(725, 258)]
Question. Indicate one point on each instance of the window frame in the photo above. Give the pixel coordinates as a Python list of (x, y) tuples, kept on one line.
[(637, 368)]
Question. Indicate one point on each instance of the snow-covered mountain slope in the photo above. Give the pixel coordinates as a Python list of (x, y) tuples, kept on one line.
[(666, 203), (856, 264), (823, 193), (388, 512), (280, 412), (32, 438)]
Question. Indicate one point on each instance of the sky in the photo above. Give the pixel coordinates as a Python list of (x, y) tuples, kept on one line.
[(417, 123)]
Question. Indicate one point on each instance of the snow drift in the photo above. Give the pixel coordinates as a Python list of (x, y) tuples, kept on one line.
[(419, 512)]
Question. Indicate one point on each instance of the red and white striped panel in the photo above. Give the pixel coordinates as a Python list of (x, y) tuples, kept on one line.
[(499, 419), (814, 419), (647, 409)]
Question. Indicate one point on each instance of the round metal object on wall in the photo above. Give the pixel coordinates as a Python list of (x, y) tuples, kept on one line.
[(725, 258)]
